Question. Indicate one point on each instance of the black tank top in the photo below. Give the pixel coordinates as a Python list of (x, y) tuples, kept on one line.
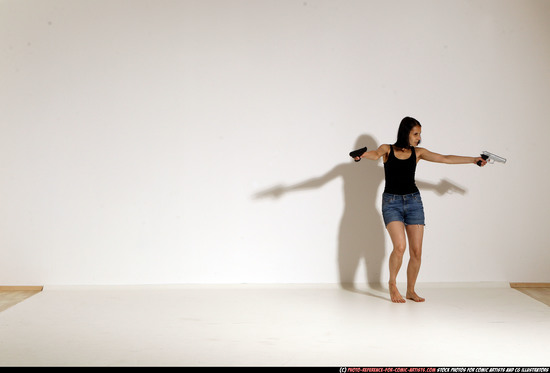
[(400, 174)]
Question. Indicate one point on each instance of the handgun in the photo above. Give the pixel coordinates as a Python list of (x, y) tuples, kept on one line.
[(491, 158), (358, 153)]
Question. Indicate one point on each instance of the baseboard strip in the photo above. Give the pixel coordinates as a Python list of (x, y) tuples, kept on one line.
[(529, 284), (21, 288)]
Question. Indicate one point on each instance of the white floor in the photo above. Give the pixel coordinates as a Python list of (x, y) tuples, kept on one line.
[(275, 325)]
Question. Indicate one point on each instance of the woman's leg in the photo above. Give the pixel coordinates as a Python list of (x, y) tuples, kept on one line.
[(396, 229), (415, 233)]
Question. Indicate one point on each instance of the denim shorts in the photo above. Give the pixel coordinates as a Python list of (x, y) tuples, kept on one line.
[(407, 209)]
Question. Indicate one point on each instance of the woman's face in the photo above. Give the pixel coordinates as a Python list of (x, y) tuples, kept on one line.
[(414, 136)]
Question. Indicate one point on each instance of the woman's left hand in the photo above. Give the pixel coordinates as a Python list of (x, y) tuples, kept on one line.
[(479, 159)]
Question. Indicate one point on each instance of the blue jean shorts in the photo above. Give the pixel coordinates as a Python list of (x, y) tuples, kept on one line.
[(407, 209)]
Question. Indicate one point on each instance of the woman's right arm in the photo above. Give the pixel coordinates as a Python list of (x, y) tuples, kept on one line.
[(375, 155)]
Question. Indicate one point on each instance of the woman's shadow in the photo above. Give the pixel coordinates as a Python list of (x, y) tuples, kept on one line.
[(361, 235)]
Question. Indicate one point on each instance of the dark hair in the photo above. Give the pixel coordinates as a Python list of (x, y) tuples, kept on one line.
[(407, 124)]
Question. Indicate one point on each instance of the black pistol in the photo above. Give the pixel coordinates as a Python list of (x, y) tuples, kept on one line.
[(358, 153)]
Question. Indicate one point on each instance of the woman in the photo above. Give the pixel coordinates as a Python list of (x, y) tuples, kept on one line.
[(402, 207)]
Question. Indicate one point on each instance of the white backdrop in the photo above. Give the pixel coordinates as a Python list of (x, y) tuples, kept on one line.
[(206, 141)]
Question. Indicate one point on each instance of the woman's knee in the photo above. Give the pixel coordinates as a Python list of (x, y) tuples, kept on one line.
[(416, 252), (399, 249)]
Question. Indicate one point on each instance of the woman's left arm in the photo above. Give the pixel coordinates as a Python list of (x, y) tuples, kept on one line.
[(448, 159)]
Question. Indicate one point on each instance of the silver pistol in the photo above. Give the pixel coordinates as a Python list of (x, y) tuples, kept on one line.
[(491, 158)]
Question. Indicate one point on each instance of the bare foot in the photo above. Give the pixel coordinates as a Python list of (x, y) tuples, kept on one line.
[(413, 296), (395, 295)]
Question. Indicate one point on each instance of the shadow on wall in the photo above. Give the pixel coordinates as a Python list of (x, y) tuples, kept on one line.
[(361, 236)]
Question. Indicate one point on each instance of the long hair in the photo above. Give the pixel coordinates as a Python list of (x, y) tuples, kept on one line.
[(405, 128)]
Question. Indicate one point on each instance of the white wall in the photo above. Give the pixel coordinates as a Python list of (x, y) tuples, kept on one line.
[(147, 142)]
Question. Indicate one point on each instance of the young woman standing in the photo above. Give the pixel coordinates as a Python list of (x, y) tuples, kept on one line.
[(402, 207)]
